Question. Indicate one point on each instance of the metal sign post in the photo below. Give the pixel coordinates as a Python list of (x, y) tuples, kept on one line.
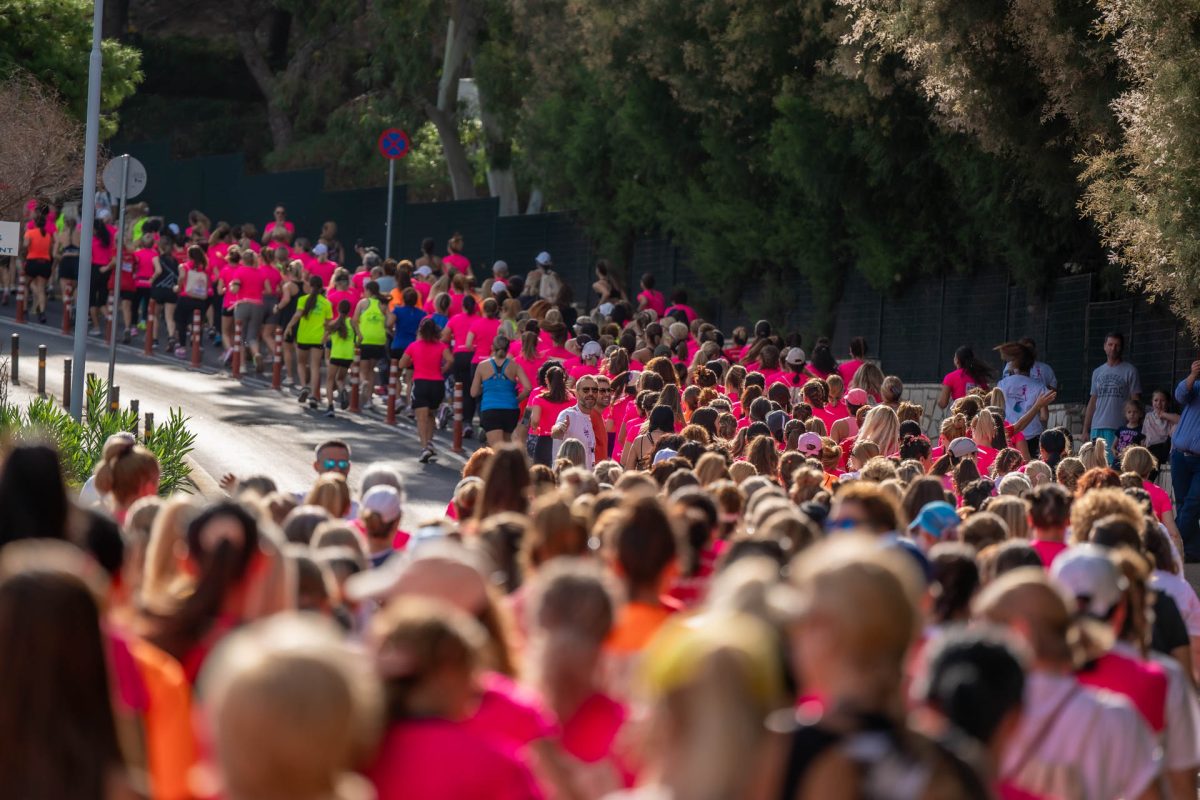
[(393, 145), (91, 142), (125, 177)]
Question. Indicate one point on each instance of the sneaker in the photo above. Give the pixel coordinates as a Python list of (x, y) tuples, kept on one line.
[(141, 326), (42, 317), (258, 363), (126, 338), (343, 399), (312, 403), (227, 356), (329, 412), (426, 455), (468, 432), (445, 414), (181, 352), (93, 331), (304, 393)]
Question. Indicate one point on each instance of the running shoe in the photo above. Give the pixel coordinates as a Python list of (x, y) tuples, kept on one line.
[(93, 331), (468, 432), (304, 393), (329, 412), (258, 363), (42, 317), (426, 455), (312, 403), (343, 399), (126, 338), (445, 414)]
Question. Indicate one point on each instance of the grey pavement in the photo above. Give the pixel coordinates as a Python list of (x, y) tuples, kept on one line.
[(243, 427)]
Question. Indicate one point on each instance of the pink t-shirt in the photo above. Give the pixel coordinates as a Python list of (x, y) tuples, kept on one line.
[(549, 413), (591, 733), (336, 296), (423, 289), (530, 366), (510, 714), (1160, 501), (427, 359), (687, 310), (101, 254), (144, 270), (252, 282), (848, 368), (984, 459), (1143, 682), (458, 261), (271, 278), (456, 301), (226, 275), (1047, 551), (654, 301), (485, 333), (323, 269), (960, 384), (435, 759), (579, 370), (359, 280), (460, 325), (287, 225)]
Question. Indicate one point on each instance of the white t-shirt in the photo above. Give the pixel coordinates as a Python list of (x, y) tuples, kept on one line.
[(1184, 596), (1094, 746), (1020, 393), (579, 426), (1040, 371)]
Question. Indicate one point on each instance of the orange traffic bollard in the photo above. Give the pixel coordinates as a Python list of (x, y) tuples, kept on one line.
[(21, 297), (277, 365), (151, 328), (197, 332), (67, 295), (354, 381), (112, 317), (458, 418), (235, 363), (391, 392)]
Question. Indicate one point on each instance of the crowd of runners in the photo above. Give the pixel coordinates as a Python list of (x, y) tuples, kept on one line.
[(681, 563)]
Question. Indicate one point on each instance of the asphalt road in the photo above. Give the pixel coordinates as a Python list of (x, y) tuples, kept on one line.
[(243, 427)]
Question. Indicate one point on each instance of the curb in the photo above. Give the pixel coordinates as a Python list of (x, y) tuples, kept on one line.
[(404, 426)]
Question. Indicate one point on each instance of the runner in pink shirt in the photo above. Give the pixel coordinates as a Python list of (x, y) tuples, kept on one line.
[(858, 356), (454, 258), (320, 265), (251, 283), (969, 373), (483, 331), (650, 298), (430, 360)]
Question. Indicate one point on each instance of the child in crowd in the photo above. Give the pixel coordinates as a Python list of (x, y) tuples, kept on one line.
[(1130, 433)]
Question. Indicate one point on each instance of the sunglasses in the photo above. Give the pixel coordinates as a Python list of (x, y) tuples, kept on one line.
[(587, 389), (331, 463)]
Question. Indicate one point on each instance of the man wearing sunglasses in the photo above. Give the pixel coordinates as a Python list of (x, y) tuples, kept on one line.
[(332, 456), (576, 422), (599, 424)]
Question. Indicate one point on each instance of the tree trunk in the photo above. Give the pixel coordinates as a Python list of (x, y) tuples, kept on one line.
[(278, 118), (444, 115), (536, 199), (461, 179), (502, 183)]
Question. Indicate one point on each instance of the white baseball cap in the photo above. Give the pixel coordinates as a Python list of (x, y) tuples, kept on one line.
[(424, 271), (383, 500), (606, 309), (499, 287), (794, 356), (1091, 577), (592, 350), (543, 258), (319, 249)]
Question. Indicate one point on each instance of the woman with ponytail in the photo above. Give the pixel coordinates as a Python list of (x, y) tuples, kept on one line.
[(313, 313), (223, 554), (127, 473), (969, 373)]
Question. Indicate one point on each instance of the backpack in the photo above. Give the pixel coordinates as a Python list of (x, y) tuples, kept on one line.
[(550, 286)]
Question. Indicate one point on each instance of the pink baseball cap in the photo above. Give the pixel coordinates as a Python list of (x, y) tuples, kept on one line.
[(856, 397)]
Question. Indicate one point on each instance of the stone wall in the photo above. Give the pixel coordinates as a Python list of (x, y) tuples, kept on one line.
[(926, 395)]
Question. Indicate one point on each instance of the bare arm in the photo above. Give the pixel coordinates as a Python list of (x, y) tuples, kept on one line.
[(1087, 417), (944, 397), (477, 382)]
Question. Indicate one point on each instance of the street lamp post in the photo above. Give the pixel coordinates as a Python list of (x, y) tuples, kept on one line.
[(88, 214)]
